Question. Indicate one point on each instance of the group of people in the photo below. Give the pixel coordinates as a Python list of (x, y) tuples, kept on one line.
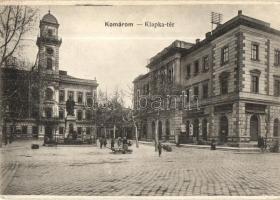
[(121, 142)]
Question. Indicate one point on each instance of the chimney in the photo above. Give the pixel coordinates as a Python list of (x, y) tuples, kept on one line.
[(197, 41), (208, 34), (239, 12)]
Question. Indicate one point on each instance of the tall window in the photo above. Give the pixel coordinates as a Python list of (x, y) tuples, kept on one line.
[(205, 90), (79, 130), (255, 51), (61, 95), (24, 130), (71, 95), (196, 91), (196, 67), (49, 64), (170, 74), (80, 115), (50, 32), (188, 71), (277, 87), (188, 95), (89, 99), (49, 94), (88, 130), (48, 112), (255, 84), (277, 57), (225, 55), (88, 115), (80, 97), (224, 85), (205, 63), (61, 114), (61, 130)]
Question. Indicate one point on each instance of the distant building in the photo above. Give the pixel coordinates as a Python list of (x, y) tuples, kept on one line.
[(231, 81), (45, 96)]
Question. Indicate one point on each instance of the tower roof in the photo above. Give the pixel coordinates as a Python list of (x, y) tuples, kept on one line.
[(49, 18)]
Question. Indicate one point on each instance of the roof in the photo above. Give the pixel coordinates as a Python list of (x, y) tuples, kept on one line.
[(49, 18), (238, 20), (140, 77), (79, 81), (174, 47)]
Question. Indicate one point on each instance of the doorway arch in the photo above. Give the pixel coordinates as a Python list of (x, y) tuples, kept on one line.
[(223, 134), (254, 128), (196, 128)]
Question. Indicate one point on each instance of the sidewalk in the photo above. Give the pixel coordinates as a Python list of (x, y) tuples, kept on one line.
[(222, 148)]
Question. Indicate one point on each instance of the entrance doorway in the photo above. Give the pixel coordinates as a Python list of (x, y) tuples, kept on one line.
[(223, 129), (254, 128), (48, 132), (204, 129), (196, 129)]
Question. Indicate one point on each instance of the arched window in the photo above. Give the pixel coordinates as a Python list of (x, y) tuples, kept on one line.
[(49, 64), (49, 94), (276, 128)]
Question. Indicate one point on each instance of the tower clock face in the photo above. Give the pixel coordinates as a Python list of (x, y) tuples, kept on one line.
[(50, 51)]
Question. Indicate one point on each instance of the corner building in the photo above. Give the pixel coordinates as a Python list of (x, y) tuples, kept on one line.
[(232, 78)]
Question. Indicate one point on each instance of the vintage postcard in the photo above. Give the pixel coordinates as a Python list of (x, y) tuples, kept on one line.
[(140, 100)]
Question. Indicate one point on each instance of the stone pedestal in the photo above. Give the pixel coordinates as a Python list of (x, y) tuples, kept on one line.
[(70, 121)]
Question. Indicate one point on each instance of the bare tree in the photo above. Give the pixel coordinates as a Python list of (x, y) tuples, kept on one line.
[(15, 23)]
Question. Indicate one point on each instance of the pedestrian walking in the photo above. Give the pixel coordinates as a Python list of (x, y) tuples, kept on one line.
[(101, 142), (125, 146), (159, 149), (112, 143), (105, 142)]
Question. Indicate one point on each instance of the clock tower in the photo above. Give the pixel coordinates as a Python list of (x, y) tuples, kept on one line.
[(48, 44)]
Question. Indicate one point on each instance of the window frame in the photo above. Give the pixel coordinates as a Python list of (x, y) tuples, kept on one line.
[(80, 94), (196, 68), (255, 84), (205, 63), (223, 53), (276, 89), (255, 52), (205, 92), (49, 63), (276, 57)]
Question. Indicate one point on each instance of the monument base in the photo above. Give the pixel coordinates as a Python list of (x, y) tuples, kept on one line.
[(70, 125)]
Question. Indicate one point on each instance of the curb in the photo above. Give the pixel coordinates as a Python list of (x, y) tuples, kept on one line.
[(236, 149)]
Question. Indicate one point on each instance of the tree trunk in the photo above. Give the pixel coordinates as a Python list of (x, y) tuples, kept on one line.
[(136, 136), (114, 136), (156, 136)]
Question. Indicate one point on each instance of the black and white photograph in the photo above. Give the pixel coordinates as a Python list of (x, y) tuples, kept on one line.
[(145, 99)]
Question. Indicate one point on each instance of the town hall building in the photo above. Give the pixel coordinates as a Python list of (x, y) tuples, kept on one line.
[(48, 117)]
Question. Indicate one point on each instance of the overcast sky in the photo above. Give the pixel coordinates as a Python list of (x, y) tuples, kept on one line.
[(115, 56)]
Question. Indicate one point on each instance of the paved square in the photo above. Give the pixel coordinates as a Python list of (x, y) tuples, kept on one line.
[(70, 170)]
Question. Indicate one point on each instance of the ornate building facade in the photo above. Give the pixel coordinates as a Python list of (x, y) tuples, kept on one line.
[(230, 82), (53, 87)]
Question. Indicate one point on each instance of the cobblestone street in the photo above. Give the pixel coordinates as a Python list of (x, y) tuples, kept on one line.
[(89, 170)]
